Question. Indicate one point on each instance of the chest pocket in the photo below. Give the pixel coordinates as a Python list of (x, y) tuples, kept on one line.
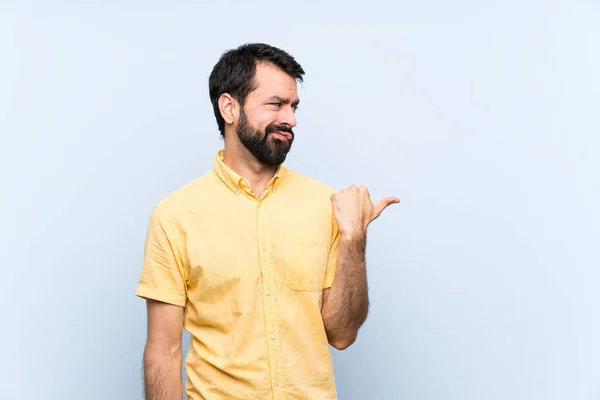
[(305, 260)]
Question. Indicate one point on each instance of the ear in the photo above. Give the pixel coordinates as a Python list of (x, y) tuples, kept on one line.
[(228, 108)]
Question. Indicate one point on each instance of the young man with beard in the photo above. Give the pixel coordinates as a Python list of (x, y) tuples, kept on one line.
[(264, 267)]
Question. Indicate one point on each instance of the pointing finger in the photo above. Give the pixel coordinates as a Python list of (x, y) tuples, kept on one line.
[(383, 204)]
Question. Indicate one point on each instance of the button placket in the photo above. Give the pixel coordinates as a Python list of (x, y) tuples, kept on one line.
[(269, 301)]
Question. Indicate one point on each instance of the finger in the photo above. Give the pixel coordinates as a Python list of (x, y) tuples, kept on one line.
[(364, 192), (383, 204)]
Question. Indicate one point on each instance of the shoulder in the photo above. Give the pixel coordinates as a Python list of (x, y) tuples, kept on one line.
[(186, 199), (312, 199), (309, 184), (308, 193)]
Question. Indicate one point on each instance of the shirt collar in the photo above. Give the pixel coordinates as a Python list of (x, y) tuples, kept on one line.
[(238, 183)]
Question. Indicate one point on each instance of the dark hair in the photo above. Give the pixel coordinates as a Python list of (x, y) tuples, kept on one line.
[(235, 71)]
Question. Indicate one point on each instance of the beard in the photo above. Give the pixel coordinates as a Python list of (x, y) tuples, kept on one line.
[(262, 145)]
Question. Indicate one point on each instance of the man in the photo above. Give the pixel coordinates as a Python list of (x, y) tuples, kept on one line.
[(263, 266)]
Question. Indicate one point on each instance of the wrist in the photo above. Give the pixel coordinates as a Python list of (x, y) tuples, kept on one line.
[(353, 235)]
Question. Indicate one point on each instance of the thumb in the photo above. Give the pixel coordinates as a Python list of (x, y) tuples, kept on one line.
[(382, 205)]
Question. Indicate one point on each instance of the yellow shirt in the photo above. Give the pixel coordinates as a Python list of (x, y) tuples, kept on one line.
[(250, 273)]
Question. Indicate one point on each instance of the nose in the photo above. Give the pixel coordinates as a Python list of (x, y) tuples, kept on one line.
[(287, 117)]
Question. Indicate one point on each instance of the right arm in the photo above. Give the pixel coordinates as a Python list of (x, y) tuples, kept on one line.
[(163, 285), (162, 354)]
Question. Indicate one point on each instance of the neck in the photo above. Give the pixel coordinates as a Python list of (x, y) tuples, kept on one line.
[(243, 163)]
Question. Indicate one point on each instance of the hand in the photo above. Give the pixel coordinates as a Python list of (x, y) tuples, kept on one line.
[(354, 210)]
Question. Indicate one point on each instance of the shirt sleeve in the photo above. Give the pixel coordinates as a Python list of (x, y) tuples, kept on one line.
[(332, 259), (163, 275)]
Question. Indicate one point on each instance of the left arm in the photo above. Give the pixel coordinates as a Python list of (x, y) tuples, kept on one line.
[(346, 303)]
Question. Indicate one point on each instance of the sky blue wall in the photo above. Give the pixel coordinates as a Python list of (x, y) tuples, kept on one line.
[(482, 118)]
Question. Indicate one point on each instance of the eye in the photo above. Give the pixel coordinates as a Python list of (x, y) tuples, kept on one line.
[(275, 104), (295, 108)]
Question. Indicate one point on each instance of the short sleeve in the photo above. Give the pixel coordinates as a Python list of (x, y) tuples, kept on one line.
[(163, 271), (332, 259)]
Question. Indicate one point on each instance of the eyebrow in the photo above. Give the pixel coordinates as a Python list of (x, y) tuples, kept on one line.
[(284, 100)]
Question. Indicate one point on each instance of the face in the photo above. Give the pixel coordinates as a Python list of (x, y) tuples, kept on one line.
[(268, 116)]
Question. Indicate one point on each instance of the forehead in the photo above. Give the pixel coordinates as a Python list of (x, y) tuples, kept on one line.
[(272, 81)]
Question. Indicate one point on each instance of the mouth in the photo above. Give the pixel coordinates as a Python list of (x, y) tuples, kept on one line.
[(282, 135)]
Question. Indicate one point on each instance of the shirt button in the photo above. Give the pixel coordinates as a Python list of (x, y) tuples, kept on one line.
[(272, 337), (276, 383), (268, 292), (264, 247)]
